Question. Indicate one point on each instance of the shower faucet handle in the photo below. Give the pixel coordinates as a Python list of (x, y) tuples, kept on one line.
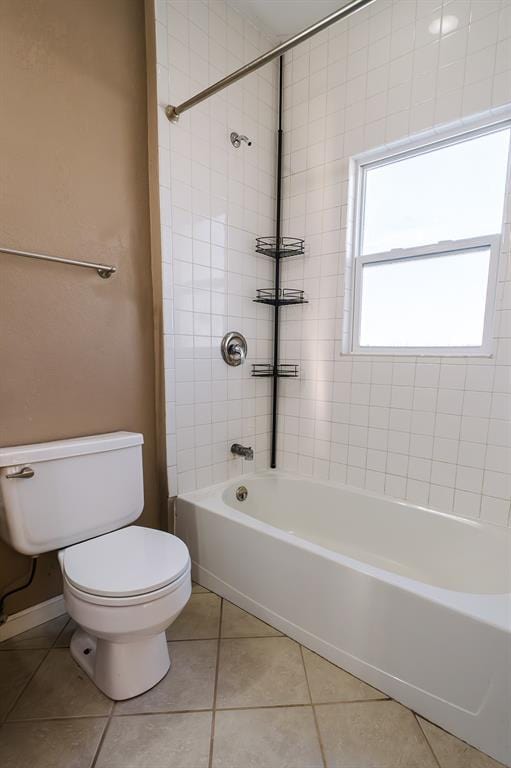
[(236, 351), (234, 348)]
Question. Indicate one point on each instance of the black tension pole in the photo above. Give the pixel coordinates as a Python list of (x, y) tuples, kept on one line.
[(278, 225)]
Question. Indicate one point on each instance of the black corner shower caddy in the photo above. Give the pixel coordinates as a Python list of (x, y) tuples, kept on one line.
[(278, 247), (281, 298)]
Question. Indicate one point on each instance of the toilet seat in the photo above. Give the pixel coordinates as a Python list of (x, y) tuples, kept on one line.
[(127, 602), (130, 563)]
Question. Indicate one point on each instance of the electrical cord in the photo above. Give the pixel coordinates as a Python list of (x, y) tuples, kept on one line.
[(3, 598)]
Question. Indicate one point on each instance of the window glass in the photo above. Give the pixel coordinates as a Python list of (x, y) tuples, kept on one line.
[(430, 301), (448, 193)]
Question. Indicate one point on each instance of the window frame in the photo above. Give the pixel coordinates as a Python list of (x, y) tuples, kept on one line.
[(426, 142)]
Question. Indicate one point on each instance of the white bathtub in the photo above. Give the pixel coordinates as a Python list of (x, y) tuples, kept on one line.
[(417, 603)]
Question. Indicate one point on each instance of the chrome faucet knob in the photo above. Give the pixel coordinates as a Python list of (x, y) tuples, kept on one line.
[(236, 351)]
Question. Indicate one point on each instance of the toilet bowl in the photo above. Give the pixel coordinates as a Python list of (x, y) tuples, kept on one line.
[(123, 590), (123, 584)]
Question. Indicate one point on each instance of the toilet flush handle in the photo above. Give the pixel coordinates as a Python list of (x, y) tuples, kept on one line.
[(22, 474)]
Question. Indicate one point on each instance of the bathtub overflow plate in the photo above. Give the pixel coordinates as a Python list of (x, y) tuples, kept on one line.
[(241, 493)]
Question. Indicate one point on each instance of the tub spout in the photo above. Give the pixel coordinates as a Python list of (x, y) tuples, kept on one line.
[(240, 450)]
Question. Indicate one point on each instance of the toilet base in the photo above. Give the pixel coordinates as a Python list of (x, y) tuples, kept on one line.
[(121, 670)]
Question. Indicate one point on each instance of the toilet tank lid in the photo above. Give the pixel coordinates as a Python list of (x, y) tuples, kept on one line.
[(61, 449)]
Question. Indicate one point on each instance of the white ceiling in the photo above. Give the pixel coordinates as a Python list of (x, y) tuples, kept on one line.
[(286, 17)]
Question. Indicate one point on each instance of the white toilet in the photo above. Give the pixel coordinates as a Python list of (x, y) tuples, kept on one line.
[(122, 585)]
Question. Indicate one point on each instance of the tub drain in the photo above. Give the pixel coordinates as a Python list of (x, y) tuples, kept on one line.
[(241, 493)]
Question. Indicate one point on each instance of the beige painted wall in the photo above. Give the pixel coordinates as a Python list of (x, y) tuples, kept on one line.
[(76, 352)]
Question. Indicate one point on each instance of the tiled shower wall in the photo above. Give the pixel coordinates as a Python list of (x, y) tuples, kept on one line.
[(435, 431), (214, 201)]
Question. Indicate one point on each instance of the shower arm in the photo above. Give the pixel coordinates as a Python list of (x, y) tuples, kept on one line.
[(352, 7)]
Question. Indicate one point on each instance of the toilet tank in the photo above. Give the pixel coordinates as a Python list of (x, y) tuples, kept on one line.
[(72, 490)]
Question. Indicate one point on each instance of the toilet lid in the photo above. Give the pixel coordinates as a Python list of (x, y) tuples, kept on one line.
[(131, 561)]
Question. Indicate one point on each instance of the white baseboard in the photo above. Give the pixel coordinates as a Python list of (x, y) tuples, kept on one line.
[(32, 617)]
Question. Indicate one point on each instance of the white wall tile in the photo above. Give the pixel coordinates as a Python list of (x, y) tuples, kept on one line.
[(432, 431), (211, 195)]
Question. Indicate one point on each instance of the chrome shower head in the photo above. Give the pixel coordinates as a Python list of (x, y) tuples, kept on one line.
[(237, 138)]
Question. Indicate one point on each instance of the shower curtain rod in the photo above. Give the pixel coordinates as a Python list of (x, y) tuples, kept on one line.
[(173, 112)]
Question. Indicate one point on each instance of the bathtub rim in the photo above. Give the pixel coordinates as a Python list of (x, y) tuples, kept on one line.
[(491, 608)]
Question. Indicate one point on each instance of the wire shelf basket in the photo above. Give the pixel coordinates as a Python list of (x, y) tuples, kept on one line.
[(281, 247), (282, 370), (281, 297)]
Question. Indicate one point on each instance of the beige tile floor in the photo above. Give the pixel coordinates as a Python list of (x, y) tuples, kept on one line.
[(239, 695)]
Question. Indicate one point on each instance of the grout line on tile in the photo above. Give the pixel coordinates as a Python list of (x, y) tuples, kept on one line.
[(264, 706), (204, 594), (316, 724), (60, 634), (49, 718), (59, 719), (23, 650), (416, 716), (102, 740), (266, 623), (215, 689), (24, 687), (233, 709), (190, 640), (435, 758), (348, 673), (151, 713), (233, 637), (355, 701)]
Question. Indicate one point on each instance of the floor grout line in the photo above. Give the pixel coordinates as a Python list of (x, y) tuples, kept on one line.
[(314, 715), (435, 758), (62, 718), (102, 740), (24, 687), (192, 711), (54, 644), (24, 650), (215, 688), (31, 677), (228, 637), (351, 701)]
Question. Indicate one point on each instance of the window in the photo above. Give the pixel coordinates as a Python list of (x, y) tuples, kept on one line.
[(427, 236)]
